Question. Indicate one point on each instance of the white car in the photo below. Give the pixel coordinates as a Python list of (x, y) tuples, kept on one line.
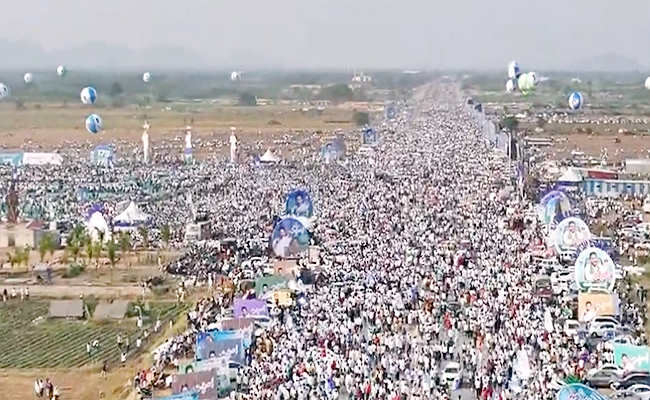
[(571, 327), (563, 276), (451, 372), (598, 329), (607, 367), (641, 390)]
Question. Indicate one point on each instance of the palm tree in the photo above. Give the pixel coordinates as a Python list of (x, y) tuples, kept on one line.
[(87, 241), (125, 243), (13, 259), (45, 245), (73, 248), (166, 235), (90, 251), (23, 255), (111, 249), (144, 234), (97, 251)]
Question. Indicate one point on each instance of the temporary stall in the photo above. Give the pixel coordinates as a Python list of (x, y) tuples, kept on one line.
[(42, 159), (269, 157), (132, 216), (97, 226)]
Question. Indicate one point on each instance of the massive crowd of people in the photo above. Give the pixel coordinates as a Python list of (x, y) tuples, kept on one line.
[(429, 289)]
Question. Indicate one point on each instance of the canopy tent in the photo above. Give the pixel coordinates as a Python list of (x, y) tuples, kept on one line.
[(570, 177), (97, 225), (269, 157), (131, 216)]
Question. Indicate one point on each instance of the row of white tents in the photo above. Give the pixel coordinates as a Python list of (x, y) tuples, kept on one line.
[(131, 218)]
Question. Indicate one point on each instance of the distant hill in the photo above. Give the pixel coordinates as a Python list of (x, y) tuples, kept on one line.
[(608, 63), (98, 55)]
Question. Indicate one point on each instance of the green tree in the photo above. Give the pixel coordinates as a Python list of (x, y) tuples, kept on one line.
[(144, 235), (361, 118), (111, 250), (510, 123), (337, 93), (97, 251), (247, 99), (166, 235), (45, 245), (115, 89), (125, 243)]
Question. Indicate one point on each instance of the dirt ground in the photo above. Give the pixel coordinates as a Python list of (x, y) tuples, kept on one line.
[(576, 137), (50, 125)]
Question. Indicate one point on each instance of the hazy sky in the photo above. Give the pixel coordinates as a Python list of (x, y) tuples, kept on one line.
[(481, 34)]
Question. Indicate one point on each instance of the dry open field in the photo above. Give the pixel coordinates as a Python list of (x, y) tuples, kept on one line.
[(575, 137), (50, 124)]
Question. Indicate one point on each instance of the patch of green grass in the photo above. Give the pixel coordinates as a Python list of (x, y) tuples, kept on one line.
[(28, 339)]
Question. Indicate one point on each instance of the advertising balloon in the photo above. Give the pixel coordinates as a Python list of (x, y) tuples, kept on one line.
[(4, 91), (555, 204), (575, 100), (299, 204), (289, 238), (570, 233), (533, 77), (594, 270), (146, 77), (28, 78), (88, 95), (513, 70), (511, 85), (578, 391), (94, 123), (235, 76), (61, 71), (647, 83), (526, 83)]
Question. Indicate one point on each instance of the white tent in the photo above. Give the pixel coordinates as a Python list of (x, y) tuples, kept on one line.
[(131, 216), (96, 224), (269, 157), (570, 176)]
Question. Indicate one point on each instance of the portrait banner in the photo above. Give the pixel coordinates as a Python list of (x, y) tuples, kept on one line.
[(631, 357), (250, 308), (592, 305), (594, 270), (570, 233), (231, 349), (299, 203), (289, 238)]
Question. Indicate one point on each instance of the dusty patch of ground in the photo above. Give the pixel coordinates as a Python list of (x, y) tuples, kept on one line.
[(51, 124)]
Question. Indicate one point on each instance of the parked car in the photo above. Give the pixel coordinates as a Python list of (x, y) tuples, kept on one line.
[(630, 379), (602, 329), (571, 327), (607, 367), (451, 372), (601, 379), (640, 390)]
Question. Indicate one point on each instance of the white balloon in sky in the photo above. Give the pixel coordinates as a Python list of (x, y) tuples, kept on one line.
[(4, 91), (235, 76), (61, 71), (511, 85), (647, 83), (28, 78), (146, 77), (533, 77), (513, 69)]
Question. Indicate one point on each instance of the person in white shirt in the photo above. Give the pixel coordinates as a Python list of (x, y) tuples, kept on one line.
[(281, 243)]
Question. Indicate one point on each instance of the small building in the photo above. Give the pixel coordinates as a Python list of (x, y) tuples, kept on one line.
[(614, 188), (24, 234)]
